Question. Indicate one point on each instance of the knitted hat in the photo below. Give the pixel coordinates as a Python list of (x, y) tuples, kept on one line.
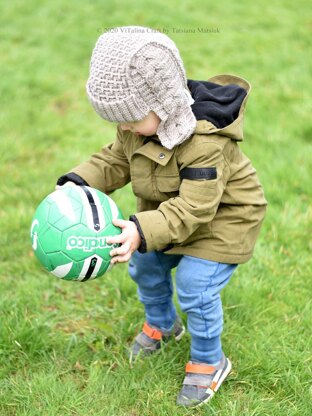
[(135, 70)]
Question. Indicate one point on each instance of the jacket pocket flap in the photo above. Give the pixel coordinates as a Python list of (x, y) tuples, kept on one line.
[(167, 183), (155, 152)]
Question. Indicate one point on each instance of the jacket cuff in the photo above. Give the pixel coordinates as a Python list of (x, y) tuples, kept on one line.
[(71, 177), (154, 228), (142, 248)]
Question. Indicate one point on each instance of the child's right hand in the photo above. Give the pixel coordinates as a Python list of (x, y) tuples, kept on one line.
[(69, 183)]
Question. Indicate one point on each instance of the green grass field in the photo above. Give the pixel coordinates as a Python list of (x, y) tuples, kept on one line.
[(63, 346)]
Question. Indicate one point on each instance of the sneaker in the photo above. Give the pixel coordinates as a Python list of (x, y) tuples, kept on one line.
[(150, 339), (202, 381)]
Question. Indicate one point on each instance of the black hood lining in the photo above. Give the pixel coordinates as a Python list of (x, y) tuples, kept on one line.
[(219, 104)]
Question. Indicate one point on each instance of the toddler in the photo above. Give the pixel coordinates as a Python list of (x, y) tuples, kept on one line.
[(199, 202)]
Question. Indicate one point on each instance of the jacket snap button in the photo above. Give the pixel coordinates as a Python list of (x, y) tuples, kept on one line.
[(162, 155)]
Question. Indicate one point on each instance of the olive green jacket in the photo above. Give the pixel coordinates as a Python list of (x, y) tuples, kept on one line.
[(216, 218)]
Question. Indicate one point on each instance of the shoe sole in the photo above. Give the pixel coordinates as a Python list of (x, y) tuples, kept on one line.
[(222, 378)]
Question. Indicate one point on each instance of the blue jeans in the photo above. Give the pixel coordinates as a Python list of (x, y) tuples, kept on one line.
[(198, 283)]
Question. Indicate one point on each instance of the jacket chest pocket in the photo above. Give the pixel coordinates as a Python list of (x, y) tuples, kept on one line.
[(154, 183), (154, 172), (167, 183)]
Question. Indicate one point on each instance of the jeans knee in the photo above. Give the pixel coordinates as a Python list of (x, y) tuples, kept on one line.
[(207, 321)]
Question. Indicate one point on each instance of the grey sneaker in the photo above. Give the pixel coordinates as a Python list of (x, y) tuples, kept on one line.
[(150, 339), (202, 381)]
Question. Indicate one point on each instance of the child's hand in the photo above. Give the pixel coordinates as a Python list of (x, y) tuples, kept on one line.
[(129, 238)]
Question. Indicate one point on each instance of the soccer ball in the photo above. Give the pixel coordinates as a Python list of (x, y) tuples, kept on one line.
[(69, 231)]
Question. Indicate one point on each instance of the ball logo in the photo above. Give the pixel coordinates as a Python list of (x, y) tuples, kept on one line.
[(87, 243)]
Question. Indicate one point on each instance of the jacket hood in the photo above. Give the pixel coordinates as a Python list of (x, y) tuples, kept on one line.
[(219, 105)]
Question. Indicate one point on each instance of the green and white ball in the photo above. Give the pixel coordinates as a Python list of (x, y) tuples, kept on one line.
[(69, 231)]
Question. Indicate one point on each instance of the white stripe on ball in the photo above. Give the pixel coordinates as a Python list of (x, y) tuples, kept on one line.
[(63, 270), (64, 204)]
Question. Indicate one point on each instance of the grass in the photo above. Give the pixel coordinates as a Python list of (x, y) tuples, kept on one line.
[(63, 345)]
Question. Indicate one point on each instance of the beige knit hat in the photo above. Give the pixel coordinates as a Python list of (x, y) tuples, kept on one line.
[(135, 70)]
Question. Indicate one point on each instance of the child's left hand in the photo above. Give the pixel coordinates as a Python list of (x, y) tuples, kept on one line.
[(129, 239)]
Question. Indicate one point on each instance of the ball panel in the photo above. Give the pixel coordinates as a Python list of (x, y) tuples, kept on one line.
[(50, 238), (110, 209), (105, 267), (58, 259), (63, 222), (42, 256), (65, 206)]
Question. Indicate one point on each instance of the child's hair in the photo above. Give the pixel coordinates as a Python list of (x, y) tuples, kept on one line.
[(135, 70)]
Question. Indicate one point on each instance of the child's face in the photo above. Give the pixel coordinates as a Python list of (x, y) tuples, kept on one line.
[(146, 127)]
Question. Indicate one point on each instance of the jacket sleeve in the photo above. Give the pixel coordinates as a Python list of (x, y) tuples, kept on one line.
[(107, 170), (197, 203)]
